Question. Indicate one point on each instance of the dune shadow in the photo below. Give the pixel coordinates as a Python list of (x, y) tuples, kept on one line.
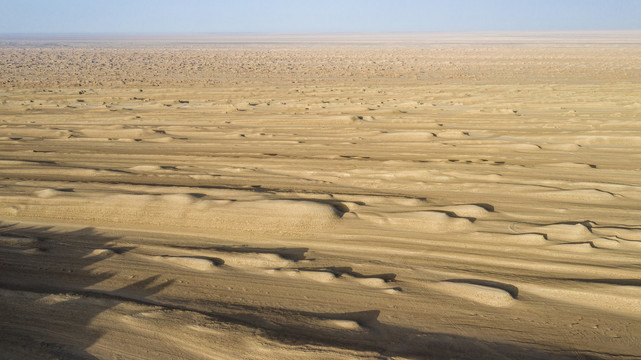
[(44, 277), (293, 254), (510, 289), (48, 306), (368, 334), (339, 271)]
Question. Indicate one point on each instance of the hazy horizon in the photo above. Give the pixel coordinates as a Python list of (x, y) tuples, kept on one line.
[(161, 17)]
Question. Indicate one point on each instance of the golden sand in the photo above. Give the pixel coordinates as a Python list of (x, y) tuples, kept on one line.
[(400, 196)]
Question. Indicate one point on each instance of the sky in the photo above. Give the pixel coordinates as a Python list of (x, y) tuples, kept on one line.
[(312, 16)]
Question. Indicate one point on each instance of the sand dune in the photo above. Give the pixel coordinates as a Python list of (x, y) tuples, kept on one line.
[(328, 198)]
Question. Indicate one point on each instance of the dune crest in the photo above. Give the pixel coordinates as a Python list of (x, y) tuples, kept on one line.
[(383, 196)]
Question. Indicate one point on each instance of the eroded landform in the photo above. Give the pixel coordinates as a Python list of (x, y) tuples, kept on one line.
[(321, 200)]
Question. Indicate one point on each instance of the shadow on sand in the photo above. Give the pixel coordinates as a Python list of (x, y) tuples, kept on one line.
[(45, 312)]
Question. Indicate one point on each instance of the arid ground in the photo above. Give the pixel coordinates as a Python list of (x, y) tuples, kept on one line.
[(419, 196)]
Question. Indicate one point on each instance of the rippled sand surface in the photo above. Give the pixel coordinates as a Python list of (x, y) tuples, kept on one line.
[(470, 196)]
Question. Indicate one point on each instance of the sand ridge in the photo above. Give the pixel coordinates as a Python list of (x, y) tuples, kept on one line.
[(444, 197)]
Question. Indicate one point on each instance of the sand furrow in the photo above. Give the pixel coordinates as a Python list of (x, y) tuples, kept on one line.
[(341, 197)]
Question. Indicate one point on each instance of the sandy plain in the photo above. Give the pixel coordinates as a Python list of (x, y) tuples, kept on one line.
[(437, 196)]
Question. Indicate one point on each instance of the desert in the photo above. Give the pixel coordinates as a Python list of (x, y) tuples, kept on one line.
[(355, 196)]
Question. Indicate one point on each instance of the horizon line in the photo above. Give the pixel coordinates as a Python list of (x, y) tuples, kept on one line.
[(303, 33)]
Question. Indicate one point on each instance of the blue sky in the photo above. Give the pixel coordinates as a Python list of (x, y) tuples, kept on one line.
[(293, 16)]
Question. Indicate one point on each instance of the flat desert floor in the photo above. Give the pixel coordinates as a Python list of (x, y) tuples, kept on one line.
[(470, 196)]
